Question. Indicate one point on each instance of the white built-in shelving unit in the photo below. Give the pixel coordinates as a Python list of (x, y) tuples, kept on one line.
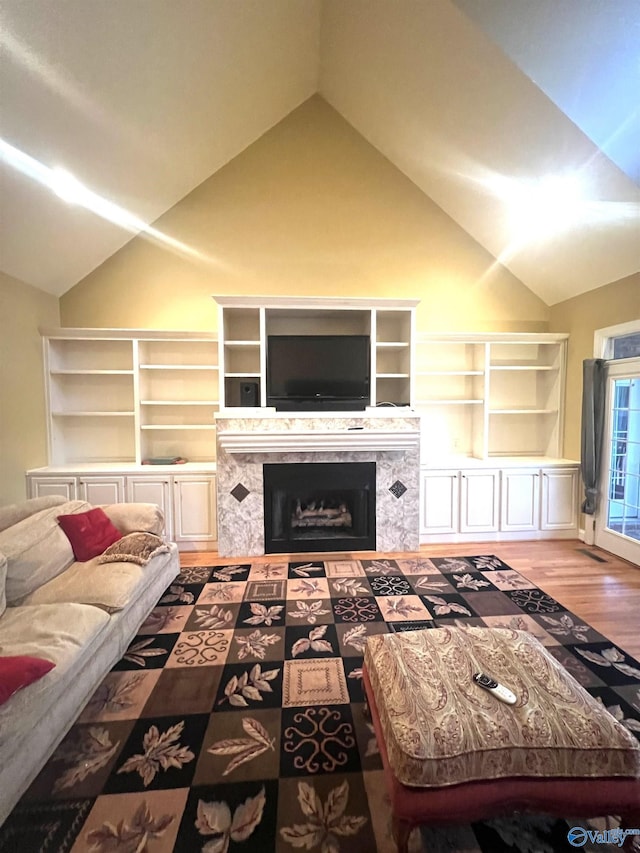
[(246, 323), (491, 395), (126, 396), (118, 397), (491, 409)]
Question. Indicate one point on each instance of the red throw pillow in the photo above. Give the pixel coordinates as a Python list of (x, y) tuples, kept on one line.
[(19, 671), (90, 533)]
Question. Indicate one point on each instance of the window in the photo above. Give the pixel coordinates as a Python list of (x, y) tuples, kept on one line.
[(626, 346)]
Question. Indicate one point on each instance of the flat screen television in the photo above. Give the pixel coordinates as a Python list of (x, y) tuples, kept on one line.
[(321, 372)]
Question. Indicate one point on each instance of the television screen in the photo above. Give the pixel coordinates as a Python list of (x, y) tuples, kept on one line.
[(318, 367)]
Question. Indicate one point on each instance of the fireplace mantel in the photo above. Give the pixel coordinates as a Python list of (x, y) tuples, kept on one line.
[(310, 440)]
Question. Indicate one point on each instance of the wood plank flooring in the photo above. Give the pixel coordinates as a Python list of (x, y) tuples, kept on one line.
[(605, 594)]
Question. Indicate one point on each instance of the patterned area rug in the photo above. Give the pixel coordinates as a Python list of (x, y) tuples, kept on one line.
[(235, 720)]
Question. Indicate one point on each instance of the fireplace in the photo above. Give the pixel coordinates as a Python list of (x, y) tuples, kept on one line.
[(246, 447), (319, 506)]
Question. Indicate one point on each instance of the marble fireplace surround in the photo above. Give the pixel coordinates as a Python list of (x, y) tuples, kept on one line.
[(245, 444)]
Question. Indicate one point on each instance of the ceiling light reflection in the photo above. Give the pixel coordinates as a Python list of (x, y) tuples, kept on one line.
[(67, 187), (540, 208)]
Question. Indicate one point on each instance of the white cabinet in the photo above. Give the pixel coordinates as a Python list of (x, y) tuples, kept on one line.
[(194, 506), (439, 502), (480, 504), (187, 500), (479, 501), (520, 503), (559, 508), (154, 490), (39, 487), (101, 490)]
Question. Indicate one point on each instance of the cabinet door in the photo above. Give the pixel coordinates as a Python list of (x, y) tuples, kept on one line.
[(520, 504), (194, 508), (559, 499), (153, 490), (439, 502), (38, 487), (479, 501), (101, 490)]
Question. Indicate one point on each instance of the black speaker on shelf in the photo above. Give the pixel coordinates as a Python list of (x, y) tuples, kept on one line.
[(248, 393)]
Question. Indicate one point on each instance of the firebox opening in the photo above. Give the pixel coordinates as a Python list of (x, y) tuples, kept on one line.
[(319, 507), (330, 513)]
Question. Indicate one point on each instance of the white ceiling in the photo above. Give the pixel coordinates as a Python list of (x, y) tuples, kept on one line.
[(143, 101)]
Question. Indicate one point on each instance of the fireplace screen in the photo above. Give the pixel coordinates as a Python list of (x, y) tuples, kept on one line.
[(319, 507)]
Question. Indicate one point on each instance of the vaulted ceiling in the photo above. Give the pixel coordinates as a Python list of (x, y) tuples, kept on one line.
[(142, 101)]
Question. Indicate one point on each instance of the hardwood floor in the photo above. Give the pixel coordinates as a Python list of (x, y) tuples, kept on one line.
[(605, 594)]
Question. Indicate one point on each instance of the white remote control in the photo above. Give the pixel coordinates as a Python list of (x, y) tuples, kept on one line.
[(499, 690)]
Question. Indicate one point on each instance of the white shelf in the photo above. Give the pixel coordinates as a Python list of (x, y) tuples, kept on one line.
[(172, 427), (392, 375), (495, 367), (100, 414), (242, 343), (92, 372), (178, 367), (523, 411), (449, 373), (179, 402), (245, 374), (446, 402), (392, 344)]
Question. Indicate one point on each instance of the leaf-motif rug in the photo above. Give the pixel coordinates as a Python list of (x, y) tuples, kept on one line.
[(235, 722)]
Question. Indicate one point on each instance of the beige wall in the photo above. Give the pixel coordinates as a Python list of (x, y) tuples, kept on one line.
[(23, 437), (614, 303), (312, 209)]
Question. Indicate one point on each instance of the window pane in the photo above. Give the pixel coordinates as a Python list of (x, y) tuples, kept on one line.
[(627, 346), (624, 464)]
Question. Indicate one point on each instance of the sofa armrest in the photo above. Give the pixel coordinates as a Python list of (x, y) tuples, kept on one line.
[(136, 517)]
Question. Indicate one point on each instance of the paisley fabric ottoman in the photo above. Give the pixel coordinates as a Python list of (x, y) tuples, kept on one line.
[(453, 753)]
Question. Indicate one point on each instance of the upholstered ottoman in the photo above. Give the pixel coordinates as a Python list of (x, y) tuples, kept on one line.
[(453, 753)]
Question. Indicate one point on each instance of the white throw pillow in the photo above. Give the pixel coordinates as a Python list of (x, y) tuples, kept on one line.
[(136, 517), (37, 549)]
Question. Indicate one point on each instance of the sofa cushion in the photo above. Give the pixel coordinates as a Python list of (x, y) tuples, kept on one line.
[(18, 671), (37, 549), (90, 532), (136, 517), (138, 548), (3, 580), (68, 635), (110, 586), (13, 513)]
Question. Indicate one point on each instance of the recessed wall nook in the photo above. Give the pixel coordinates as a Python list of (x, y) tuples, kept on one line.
[(465, 430)]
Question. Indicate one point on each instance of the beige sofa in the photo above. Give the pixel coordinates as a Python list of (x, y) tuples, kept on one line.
[(81, 616)]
